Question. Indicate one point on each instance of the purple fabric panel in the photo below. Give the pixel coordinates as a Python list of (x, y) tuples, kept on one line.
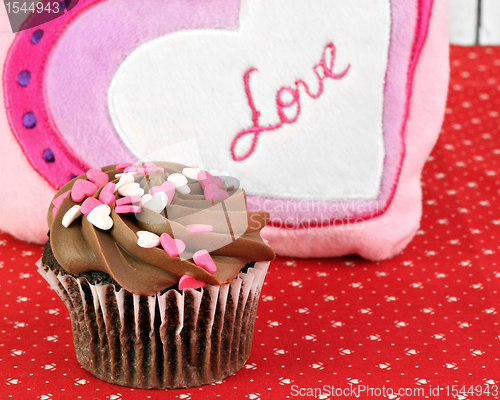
[(404, 26), (91, 50), (405, 15)]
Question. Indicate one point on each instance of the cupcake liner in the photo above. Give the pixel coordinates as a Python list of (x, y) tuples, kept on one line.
[(168, 341)]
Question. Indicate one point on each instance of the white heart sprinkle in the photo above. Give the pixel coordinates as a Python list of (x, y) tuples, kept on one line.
[(192, 173), (231, 181), (134, 174), (146, 198), (147, 239), (228, 180), (178, 180), (99, 217), (131, 189), (157, 203), (72, 214), (214, 172), (183, 189), (124, 180)]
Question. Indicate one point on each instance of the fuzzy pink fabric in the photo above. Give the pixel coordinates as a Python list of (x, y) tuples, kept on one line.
[(22, 213), (385, 236), (25, 195)]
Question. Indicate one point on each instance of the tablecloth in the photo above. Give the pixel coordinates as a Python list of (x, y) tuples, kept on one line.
[(423, 324)]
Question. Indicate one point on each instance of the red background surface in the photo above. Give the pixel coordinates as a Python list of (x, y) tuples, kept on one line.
[(427, 317)]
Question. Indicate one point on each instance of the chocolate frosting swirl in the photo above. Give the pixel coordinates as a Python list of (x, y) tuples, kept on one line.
[(233, 242)]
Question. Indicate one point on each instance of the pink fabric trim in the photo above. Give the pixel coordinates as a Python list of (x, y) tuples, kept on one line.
[(71, 155), (26, 217), (24, 55), (424, 18)]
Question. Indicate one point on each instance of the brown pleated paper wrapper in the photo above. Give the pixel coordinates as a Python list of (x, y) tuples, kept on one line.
[(167, 341)]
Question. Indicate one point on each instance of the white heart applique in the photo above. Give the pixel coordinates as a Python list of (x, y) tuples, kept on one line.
[(99, 217), (278, 44)]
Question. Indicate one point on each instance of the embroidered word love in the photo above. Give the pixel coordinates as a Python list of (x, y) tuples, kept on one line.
[(325, 65)]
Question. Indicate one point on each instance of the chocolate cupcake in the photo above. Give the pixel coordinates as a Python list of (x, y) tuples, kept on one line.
[(160, 267)]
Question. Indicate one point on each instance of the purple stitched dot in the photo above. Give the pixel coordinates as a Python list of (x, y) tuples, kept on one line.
[(23, 78), (65, 4), (48, 155), (73, 176), (29, 120), (36, 36)]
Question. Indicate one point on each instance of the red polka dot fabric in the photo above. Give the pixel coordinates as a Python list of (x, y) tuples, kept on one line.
[(421, 325)]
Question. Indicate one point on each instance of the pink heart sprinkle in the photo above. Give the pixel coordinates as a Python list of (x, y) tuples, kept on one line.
[(89, 204), (81, 189), (107, 195), (54, 211), (144, 171), (205, 178), (58, 200), (124, 165), (128, 200), (149, 167), (98, 177), (212, 192), (202, 258), (131, 168), (173, 247), (198, 228), (188, 282), (149, 164), (127, 209), (167, 187)]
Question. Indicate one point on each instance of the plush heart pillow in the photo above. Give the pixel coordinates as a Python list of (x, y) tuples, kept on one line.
[(325, 110)]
